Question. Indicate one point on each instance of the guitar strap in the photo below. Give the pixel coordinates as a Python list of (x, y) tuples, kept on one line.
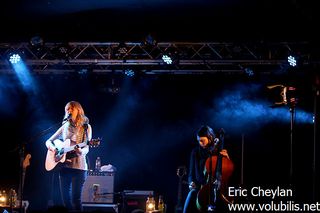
[(85, 132), (84, 137)]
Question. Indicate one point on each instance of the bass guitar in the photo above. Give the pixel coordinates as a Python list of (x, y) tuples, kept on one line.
[(62, 148)]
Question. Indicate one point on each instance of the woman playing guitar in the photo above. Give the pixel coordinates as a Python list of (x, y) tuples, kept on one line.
[(202, 176), (75, 130)]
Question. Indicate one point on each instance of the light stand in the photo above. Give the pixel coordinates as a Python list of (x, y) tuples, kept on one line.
[(292, 110), (289, 92), (288, 97)]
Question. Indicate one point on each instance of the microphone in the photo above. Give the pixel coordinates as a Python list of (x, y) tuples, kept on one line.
[(68, 117)]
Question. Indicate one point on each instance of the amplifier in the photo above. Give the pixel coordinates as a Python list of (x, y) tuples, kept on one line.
[(135, 200), (98, 188), (99, 207)]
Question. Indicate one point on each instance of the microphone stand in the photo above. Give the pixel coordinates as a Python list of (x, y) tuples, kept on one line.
[(21, 148)]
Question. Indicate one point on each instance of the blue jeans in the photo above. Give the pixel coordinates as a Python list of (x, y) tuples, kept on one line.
[(190, 205), (72, 181)]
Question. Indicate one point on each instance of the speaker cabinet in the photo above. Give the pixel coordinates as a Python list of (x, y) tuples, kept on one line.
[(98, 188), (135, 201), (99, 207)]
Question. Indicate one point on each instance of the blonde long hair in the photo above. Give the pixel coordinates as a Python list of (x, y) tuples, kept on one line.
[(81, 117)]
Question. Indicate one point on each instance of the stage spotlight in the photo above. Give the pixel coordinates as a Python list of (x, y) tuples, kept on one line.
[(292, 60), (249, 72), (122, 48), (82, 71), (37, 46), (14, 58), (62, 51), (167, 59), (36, 41), (129, 72), (171, 55), (284, 95), (296, 60), (149, 40)]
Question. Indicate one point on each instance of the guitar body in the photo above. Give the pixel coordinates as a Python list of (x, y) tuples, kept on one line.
[(62, 148), (53, 158)]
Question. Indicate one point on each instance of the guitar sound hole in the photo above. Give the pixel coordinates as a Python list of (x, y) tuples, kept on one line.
[(71, 154)]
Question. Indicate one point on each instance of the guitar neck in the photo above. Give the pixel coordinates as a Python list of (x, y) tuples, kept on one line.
[(71, 148)]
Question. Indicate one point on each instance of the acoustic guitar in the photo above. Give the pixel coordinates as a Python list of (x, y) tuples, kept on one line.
[(62, 148)]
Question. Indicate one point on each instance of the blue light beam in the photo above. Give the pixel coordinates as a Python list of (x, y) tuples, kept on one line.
[(24, 76), (240, 108)]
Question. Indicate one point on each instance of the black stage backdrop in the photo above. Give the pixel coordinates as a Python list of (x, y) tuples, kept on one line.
[(149, 128)]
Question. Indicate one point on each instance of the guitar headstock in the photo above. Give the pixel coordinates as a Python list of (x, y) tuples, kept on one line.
[(95, 142), (26, 161), (181, 171)]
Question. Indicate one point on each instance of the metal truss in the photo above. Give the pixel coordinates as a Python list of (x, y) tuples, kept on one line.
[(187, 57)]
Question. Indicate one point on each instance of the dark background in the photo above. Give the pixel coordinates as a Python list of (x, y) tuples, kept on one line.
[(149, 128), (191, 20)]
